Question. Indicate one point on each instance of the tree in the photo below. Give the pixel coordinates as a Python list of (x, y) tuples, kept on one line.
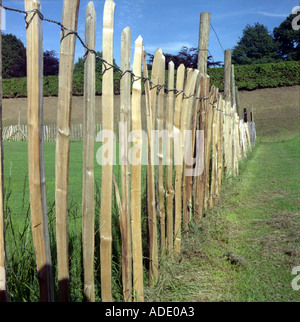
[(79, 66), (288, 39), (13, 57), (186, 56), (51, 63), (256, 46)]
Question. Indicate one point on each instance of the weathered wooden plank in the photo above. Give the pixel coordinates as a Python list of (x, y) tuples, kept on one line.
[(88, 200), (36, 168), (169, 173), (151, 206), (136, 181), (178, 158), (125, 221), (107, 169), (66, 64)]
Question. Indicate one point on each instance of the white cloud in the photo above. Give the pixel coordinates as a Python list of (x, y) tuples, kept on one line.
[(270, 14)]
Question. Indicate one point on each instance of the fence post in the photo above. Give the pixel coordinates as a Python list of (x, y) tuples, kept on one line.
[(151, 206), (107, 169), (88, 202), (125, 221), (187, 148), (215, 131), (205, 18), (36, 166), (169, 175), (153, 247), (4, 296), (160, 127), (220, 147), (233, 88), (136, 182), (209, 129), (178, 158), (203, 42), (227, 75), (66, 63)]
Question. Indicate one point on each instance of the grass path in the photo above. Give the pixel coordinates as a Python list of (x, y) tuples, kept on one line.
[(246, 247)]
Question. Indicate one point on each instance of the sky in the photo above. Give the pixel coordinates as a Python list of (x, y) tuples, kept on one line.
[(168, 24)]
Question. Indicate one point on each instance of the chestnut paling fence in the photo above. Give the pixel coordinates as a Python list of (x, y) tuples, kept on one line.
[(178, 192)]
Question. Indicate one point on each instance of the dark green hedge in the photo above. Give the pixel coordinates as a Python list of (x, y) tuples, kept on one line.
[(248, 77)]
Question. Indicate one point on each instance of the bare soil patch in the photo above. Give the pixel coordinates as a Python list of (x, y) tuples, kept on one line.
[(269, 105)]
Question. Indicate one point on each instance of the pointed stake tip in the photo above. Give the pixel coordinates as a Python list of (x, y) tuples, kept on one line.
[(139, 39)]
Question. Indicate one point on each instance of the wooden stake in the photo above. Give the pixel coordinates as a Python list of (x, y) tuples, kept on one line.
[(213, 186), (107, 169), (203, 42), (151, 206), (220, 147), (136, 182), (209, 119), (170, 189), (88, 202), (155, 80), (187, 147), (160, 126), (233, 94), (238, 104), (66, 64), (178, 158), (200, 180), (36, 168), (125, 110), (227, 75)]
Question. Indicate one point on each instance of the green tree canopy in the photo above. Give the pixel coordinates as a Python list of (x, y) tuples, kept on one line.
[(51, 63), (186, 56), (13, 57), (288, 39), (79, 66), (257, 46)]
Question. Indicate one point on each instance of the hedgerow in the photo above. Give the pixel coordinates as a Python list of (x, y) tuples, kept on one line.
[(247, 77)]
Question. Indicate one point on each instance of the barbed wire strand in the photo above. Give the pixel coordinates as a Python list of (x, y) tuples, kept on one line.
[(106, 65)]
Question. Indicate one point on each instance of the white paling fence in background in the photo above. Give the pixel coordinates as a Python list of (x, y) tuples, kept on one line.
[(20, 132)]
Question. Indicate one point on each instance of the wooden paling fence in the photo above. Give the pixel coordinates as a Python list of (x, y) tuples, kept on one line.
[(206, 136)]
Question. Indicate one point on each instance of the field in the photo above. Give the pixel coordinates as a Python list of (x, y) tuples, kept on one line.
[(245, 248)]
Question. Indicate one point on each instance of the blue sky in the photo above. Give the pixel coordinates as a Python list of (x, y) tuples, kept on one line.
[(169, 24)]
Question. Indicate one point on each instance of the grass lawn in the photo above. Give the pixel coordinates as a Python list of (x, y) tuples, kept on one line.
[(246, 247), (243, 250)]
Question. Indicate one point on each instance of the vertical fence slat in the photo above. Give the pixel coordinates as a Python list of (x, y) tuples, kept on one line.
[(169, 174), (187, 148), (35, 152), (136, 182), (214, 153), (151, 206), (66, 63), (125, 222), (155, 80), (209, 119), (178, 158), (160, 127), (107, 169), (88, 202), (220, 148), (200, 180)]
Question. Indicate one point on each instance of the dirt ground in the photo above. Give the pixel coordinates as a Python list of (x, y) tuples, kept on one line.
[(263, 100)]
